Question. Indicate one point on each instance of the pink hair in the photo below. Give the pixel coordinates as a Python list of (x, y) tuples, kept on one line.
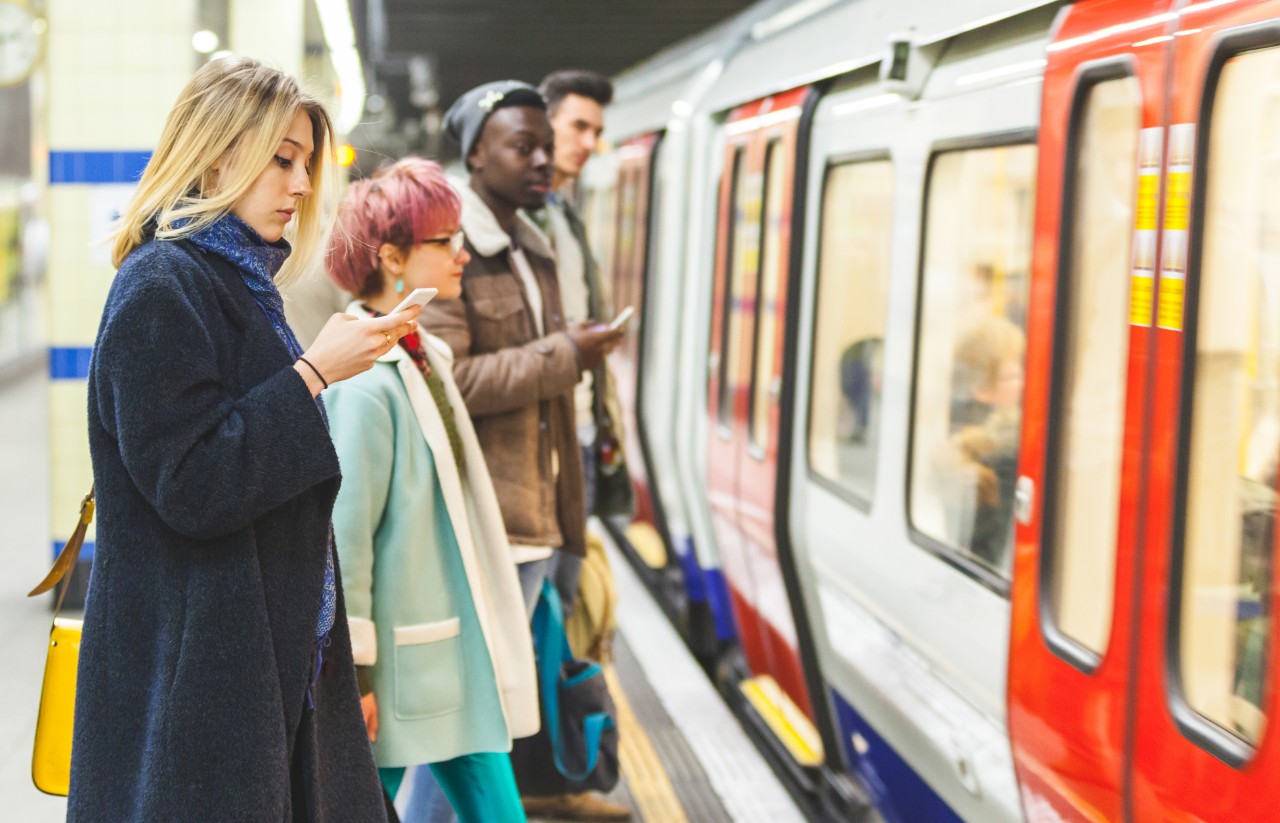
[(401, 204)]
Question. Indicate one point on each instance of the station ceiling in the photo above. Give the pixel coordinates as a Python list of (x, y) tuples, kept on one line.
[(424, 53)]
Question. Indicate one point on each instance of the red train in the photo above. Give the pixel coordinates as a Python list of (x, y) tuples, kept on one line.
[(956, 394)]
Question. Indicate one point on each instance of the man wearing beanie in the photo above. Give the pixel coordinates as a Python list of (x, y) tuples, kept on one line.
[(516, 361)]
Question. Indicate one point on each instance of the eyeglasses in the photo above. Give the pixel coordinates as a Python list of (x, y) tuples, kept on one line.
[(454, 241)]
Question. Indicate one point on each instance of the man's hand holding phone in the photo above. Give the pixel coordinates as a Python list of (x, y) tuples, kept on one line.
[(594, 342), (623, 316)]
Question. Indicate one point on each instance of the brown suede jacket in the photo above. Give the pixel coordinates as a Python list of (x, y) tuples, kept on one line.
[(517, 385)]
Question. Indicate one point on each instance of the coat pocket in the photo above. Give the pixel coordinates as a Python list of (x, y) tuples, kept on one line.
[(499, 321), (428, 669)]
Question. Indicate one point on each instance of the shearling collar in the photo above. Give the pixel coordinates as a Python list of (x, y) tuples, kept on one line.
[(487, 236)]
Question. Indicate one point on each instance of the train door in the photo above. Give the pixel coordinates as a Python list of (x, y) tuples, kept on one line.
[(630, 256), (1202, 746), (1071, 654), (748, 328)]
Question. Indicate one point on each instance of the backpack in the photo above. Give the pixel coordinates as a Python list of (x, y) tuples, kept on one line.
[(576, 750)]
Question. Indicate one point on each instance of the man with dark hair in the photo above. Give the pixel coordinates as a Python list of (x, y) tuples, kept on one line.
[(575, 103)]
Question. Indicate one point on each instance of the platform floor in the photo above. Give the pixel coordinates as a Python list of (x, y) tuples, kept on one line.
[(25, 555), (684, 757)]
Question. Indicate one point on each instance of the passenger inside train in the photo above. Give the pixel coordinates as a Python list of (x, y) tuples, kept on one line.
[(978, 467), (968, 417)]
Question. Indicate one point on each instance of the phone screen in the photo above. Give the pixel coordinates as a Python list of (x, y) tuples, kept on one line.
[(623, 317), (417, 297)]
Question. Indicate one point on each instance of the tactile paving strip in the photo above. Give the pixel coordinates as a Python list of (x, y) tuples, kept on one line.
[(746, 788), (663, 775)]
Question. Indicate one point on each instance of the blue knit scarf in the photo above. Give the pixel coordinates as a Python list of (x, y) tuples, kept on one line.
[(258, 262)]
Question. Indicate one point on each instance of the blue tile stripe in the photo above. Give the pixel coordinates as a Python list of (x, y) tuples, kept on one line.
[(86, 549), (69, 362), (91, 167)]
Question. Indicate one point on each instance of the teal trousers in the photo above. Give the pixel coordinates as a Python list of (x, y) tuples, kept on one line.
[(480, 787)]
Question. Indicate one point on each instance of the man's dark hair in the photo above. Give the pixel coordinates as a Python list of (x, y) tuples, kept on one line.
[(560, 84)]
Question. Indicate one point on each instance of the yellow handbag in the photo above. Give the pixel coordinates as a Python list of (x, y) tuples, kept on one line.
[(51, 760)]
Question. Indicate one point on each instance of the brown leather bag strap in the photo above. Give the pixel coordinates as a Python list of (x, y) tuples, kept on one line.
[(69, 556)]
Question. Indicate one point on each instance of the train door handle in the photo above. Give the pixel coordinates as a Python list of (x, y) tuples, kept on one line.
[(965, 771), (1024, 499)]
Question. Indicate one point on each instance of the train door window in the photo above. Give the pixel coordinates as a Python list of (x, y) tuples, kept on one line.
[(967, 413), (628, 231), (740, 260), (763, 387), (1093, 353), (851, 309), (1229, 497), (599, 210)]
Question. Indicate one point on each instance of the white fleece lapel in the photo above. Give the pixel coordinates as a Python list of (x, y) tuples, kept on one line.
[(500, 586), (487, 237)]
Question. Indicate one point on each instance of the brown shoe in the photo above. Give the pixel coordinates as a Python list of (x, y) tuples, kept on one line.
[(584, 806)]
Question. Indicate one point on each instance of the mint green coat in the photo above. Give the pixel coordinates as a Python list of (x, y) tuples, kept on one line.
[(433, 600)]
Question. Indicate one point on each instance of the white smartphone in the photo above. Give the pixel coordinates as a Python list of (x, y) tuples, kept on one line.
[(623, 317), (417, 297)]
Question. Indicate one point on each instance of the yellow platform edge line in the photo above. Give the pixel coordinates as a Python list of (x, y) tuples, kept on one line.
[(642, 769), (644, 538), (765, 696)]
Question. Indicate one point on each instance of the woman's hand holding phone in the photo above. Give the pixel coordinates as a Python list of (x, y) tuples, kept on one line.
[(417, 297), (348, 346)]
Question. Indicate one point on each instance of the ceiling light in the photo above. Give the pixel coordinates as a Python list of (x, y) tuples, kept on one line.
[(340, 38), (204, 41)]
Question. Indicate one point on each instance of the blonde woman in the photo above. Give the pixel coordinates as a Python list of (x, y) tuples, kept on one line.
[(435, 606), (216, 679)]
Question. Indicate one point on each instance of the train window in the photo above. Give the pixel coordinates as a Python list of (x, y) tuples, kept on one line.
[(629, 233), (599, 213), (851, 307), (1090, 387), (969, 359), (629, 284), (763, 388), (1228, 534), (741, 256)]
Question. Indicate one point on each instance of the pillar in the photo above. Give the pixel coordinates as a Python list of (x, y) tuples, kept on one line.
[(110, 75)]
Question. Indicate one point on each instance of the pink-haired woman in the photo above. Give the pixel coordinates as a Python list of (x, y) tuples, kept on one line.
[(438, 627)]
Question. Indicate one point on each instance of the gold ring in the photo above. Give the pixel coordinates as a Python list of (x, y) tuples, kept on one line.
[(390, 342)]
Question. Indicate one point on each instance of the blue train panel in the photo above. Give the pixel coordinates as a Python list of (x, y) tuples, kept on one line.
[(899, 793)]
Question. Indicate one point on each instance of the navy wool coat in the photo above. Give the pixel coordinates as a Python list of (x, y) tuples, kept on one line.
[(215, 482)]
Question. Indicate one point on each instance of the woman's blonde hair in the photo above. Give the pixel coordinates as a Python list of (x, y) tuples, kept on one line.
[(983, 350), (236, 110)]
